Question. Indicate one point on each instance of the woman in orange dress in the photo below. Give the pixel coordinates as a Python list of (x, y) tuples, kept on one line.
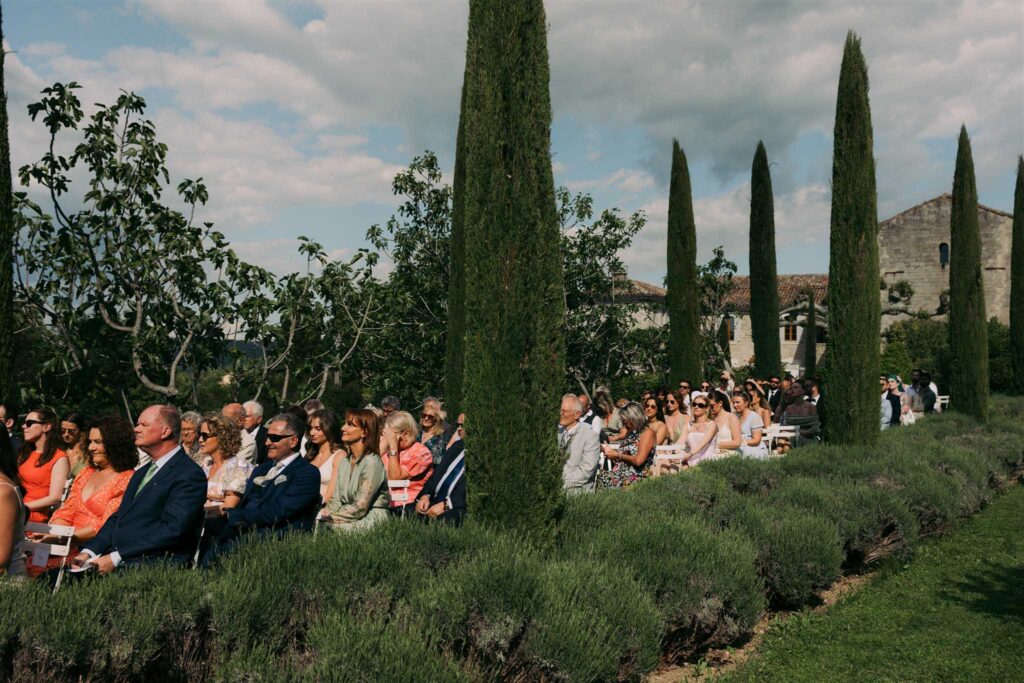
[(97, 491), (42, 465)]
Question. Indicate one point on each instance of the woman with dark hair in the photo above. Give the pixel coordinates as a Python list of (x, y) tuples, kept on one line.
[(677, 420), (75, 435), (656, 420), (751, 427), (42, 466), (97, 491), (12, 511), (759, 402), (360, 483), (324, 447), (729, 439), (632, 457)]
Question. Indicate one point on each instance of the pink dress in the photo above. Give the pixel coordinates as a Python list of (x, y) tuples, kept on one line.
[(693, 440)]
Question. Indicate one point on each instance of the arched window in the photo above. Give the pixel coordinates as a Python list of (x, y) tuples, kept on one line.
[(943, 254)]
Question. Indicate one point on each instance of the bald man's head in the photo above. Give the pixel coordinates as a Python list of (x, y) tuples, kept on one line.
[(234, 412)]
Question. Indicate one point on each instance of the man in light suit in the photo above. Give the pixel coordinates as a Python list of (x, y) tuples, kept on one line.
[(253, 424), (582, 445), (282, 494), (161, 512)]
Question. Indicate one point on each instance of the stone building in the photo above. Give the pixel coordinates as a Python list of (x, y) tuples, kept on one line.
[(914, 247)]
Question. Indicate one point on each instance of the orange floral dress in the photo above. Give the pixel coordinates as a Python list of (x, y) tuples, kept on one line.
[(36, 481), (94, 511)]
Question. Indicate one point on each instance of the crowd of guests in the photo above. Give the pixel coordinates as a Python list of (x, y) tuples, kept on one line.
[(186, 488)]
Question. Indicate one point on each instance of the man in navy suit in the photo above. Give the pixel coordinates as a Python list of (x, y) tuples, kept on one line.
[(162, 509), (282, 494)]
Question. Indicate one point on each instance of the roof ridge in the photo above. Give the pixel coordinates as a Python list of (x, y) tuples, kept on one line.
[(944, 195)]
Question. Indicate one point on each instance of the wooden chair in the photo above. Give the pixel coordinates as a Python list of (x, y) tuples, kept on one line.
[(61, 549), (398, 489)]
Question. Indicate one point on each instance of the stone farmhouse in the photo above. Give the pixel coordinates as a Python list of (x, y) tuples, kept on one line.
[(913, 248)]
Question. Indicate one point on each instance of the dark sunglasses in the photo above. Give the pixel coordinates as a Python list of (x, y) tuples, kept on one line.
[(459, 425), (29, 423), (203, 436), (700, 405), (274, 438)]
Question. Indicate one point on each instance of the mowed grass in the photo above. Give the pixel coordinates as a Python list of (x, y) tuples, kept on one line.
[(955, 613)]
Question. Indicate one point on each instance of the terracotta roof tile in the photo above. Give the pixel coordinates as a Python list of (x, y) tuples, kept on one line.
[(791, 289)]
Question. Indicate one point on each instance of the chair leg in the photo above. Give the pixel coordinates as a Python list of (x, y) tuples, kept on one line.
[(60, 575)]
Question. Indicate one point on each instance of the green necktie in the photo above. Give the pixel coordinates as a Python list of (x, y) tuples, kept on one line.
[(145, 480)]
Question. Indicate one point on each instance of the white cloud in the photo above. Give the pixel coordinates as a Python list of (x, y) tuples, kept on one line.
[(625, 181)]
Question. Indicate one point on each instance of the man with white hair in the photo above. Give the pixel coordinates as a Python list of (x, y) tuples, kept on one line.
[(582, 446), (253, 423)]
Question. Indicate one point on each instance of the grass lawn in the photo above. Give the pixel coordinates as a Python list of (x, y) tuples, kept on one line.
[(955, 613)]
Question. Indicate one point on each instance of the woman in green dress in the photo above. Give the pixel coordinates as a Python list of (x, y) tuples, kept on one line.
[(359, 482)]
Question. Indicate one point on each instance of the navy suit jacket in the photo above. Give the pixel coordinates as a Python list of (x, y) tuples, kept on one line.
[(292, 503), (458, 492), (163, 520)]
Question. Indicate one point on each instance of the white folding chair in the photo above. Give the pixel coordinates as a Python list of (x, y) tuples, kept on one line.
[(668, 459), (41, 552), (398, 489), (941, 402)]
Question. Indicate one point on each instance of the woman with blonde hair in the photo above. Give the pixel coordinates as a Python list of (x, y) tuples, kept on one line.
[(432, 428), (632, 457), (220, 439), (405, 458)]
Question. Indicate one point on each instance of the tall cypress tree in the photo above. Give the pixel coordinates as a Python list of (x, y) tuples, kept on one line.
[(764, 283), (968, 327), (682, 300), (723, 343), (811, 337), (854, 306), (7, 388), (454, 339), (1017, 283), (514, 352)]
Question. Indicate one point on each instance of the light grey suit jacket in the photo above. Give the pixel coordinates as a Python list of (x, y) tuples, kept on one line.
[(583, 447)]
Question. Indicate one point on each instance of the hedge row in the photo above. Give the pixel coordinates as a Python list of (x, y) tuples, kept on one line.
[(662, 572)]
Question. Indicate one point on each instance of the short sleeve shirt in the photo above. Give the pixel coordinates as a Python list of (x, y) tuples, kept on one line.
[(418, 461)]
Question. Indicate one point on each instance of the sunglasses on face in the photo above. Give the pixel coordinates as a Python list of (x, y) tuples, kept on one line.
[(274, 438), (460, 425), (29, 423), (702, 406), (203, 436), (428, 416)]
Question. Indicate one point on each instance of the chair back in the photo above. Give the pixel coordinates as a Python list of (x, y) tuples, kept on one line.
[(398, 490), (41, 552)]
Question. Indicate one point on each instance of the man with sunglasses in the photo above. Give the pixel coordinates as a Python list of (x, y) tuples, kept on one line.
[(162, 509), (282, 494), (9, 417)]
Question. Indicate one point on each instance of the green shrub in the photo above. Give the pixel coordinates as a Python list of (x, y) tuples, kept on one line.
[(798, 553), (584, 513), (687, 494), (746, 475), (872, 524), (703, 582)]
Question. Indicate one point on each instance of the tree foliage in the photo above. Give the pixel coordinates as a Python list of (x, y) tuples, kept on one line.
[(854, 304), (456, 331), (811, 337), (685, 362), (1017, 283), (968, 339), (7, 387), (764, 282), (515, 353)]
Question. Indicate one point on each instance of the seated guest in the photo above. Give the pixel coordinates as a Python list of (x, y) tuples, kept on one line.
[(9, 418), (701, 433), (729, 437), (751, 427), (324, 450), (432, 428), (405, 458), (42, 466), (582, 446), (631, 458), (359, 484), (800, 413), (444, 495), (656, 420), (190, 422), (677, 419), (759, 402), (162, 508), (12, 511), (226, 473), (74, 434), (98, 490), (283, 494), (236, 413)]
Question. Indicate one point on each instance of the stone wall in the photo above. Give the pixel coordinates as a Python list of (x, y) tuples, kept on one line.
[(909, 249)]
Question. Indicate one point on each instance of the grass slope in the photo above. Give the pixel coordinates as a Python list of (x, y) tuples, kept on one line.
[(955, 613)]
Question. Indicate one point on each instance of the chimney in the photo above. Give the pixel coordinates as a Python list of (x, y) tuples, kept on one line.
[(619, 277)]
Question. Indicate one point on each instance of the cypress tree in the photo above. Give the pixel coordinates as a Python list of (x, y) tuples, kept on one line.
[(968, 327), (723, 343), (454, 339), (811, 337), (682, 297), (764, 283), (514, 350), (1017, 283), (854, 306), (7, 388)]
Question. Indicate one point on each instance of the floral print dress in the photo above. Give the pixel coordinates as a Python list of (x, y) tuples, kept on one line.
[(623, 473)]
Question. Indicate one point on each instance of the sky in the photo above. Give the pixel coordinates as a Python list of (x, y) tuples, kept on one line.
[(297, 114)]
